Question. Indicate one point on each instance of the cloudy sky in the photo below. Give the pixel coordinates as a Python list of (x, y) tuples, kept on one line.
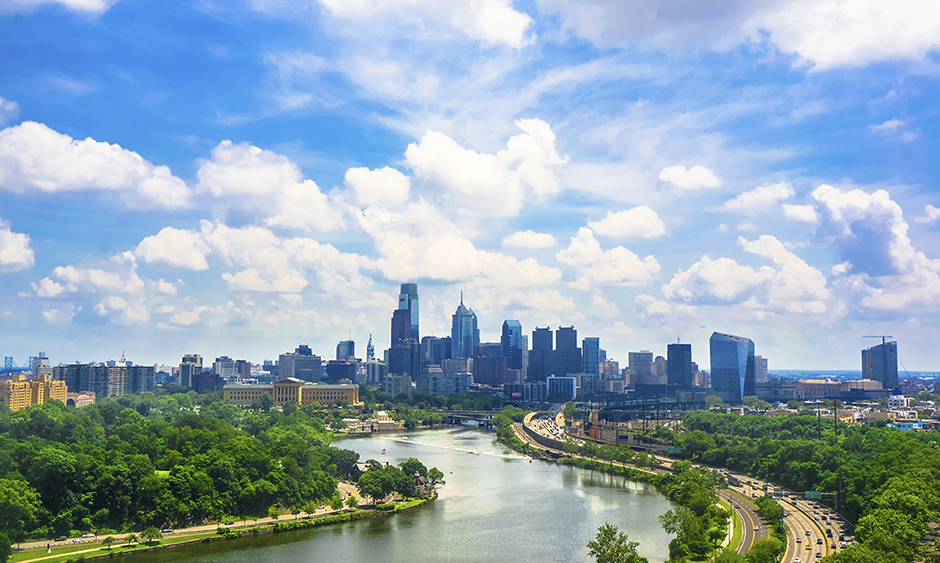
[(227, 177)]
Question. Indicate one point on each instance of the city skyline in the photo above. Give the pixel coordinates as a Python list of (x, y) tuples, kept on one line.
[(236, 179)]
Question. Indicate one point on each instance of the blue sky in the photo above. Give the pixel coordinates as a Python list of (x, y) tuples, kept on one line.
[(239, 177)]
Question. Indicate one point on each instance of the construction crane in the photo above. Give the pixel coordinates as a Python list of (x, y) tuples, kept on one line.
[(883, 337)]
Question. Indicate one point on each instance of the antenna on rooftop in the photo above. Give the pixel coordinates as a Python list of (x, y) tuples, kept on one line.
[(883, 337)]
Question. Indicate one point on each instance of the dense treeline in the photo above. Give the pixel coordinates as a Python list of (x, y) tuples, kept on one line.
[(149, 460), (888, 480)]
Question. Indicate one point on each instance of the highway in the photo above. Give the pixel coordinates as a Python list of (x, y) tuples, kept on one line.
[(750, 520)]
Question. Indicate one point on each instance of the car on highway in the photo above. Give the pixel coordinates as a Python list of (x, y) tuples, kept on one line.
[(818, 555), (88, 535), (808, 533), (796, 560), (799, 540), (166, 531), (229, 523), (756, 528)]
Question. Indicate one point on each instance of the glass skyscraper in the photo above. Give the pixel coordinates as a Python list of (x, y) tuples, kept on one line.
[(464, 333), (732, 363), (880, 363), (679, 365), (408, 301), (510, 343)]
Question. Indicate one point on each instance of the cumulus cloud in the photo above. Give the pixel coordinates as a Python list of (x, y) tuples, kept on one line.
[(420, 242), (492, 22), (33, 157), (759, 199), (176, 248), (8, 110), (90, 6), (63, 315), (869, 233), (617, 266), (694, 178), (303, 206), (790, 286), (529, 239), (931, 214), (384, 187), (800, 213), (490, 185), (826, 34), (244, 169), (15, 252), (118, 274), (639, 222)]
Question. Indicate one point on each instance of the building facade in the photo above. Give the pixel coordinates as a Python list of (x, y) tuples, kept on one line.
[(679, 365), (408, 301), (880, 363), (732, 367), (591, 355), (18, 393), (511, 343), (541, 357), (291, 390), (464, 333)]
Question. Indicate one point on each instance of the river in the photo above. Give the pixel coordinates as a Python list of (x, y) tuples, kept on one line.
[(495, 506)]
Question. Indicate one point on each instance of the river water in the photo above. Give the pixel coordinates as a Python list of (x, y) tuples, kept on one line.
[(495, 506)]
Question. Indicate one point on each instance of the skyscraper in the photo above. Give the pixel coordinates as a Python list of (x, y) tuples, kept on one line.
[(345, 349), (641, 367), (760, 369), (408, 301), (541, 358), (679, 365), (401, 327), (511, 343), (591, 355), (464, 332), (881, 364), (190, 367), (567, 353), (732, 363)]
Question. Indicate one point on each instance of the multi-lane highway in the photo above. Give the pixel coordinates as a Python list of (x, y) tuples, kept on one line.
[(754, 525)]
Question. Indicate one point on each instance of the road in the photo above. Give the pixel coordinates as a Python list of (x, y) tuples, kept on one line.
[(750, 520), (345, 488)]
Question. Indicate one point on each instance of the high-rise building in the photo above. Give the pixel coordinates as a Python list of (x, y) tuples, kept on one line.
[(345, 349), (19, 393), (302, 364), (401, 327), (760, 369), (224, 367), (190, 367), (732, 366), (464, 332), (562, 387), (434, 350), (511, 343), (641, 367), (541, 357), (679, 365), (880, 363), (591, 355), (370, 350), (567, 353), (408, 301)]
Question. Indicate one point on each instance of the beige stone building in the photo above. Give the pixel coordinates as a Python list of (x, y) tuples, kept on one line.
[(18, 393), (292, 390)]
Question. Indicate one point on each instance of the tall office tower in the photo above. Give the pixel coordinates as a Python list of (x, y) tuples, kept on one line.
[(591, 355), (679, 365), (541, 357), (881, 364), (408, 301), (302, 364), (641, 367), (190, 366), (732, 363), (464, 333), (370, 350), (345, 349), (403, 358), (567, 353), (401, 327), (760, 369), (224, 367), (510, 343), (525, 355)]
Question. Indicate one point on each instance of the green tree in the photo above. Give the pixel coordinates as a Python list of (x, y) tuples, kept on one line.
[(370, 485), (569, 411), (130, 538), (108, 541), (435, 477), (730, 556), (862, 554), (612, 546), (336, 502), (19, 505), (273, 512), (6, 547), (151, 534), (411, 466), (352, 502), (697, 442), (764, 550)]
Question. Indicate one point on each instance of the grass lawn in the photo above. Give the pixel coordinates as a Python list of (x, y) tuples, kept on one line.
[(64, 553)]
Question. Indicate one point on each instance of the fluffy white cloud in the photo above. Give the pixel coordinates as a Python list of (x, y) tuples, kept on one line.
[(796, 287), (827, 34), (869, 233), (420, 243), (716, 281), (303, 206), (800, 213), (384, 187), (60, 316), (8, 110), (694, 178), (34, 157), (931, 214), (176, 248), (15, 252), (118, 274), (529, 239), (492, 22), (617, 266), (490, 185), (639, 222), (91, 6), (244, 169), (759, 199)]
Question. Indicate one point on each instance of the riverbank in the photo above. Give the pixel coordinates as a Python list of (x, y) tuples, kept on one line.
[(76, 553)]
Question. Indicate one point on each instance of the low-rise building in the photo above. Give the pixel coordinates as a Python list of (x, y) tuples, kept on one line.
[(291, 390)]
